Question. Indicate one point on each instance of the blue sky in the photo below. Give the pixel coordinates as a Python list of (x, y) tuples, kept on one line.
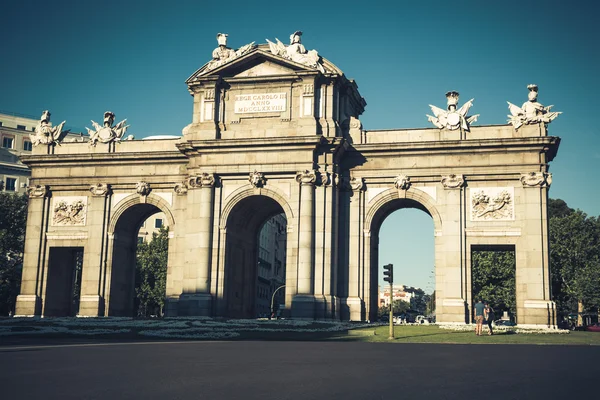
[(81, 58)]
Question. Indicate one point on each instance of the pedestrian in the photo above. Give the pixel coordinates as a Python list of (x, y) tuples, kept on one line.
[(489, 316), (479, 308)]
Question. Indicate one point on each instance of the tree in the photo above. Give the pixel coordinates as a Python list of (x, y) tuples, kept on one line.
[(493, 273), (574, 260), (151, 274), (399, 307), (13, 220)]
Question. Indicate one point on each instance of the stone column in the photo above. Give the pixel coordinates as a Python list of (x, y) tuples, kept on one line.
[(324, 248), (534, 307), (196, 298), (174, 287), (355, 301), (449, 258), (34, 258), (91, 302), (303, 302)]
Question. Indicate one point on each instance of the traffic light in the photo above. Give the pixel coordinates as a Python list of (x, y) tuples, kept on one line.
[(388, 273)]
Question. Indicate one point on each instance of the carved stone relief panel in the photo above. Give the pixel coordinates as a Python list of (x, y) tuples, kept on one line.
[(492, 204), (69, 211)]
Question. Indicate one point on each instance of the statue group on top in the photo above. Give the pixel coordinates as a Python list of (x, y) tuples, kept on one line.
[(452, 118), (296, 52), (224, 54), (47, 134), (107, 133), (531, 112)]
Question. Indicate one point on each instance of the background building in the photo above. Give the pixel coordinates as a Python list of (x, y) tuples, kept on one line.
[(14, 138), (150, 226), (399, 293), (271, 265)]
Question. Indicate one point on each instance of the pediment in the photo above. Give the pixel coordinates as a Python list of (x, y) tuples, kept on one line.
[(265, 68), (257, 63)]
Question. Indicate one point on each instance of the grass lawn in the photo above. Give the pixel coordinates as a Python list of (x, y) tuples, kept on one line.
[(434, 334), (23, 330)]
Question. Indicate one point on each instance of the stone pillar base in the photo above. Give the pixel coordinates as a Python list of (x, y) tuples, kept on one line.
[(538, 313), (91, 306), (452, 310), (196, 304), (28, 305), (303, 306), (352, 309), (325, 307), (171, 306)]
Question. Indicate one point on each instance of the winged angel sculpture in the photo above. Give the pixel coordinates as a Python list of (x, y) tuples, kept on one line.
[(531, 112), (296, 52), (45, 133), (107, 133), (452, 119)]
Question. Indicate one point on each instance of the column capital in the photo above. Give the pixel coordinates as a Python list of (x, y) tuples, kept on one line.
[(536, 179), (453, 181), (306, 177), (351, 184), (38, 191), (204, 180), (180, 188), (100, 190)]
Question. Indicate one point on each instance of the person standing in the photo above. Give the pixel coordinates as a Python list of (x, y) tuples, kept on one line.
[(489, 317), (479, 310)]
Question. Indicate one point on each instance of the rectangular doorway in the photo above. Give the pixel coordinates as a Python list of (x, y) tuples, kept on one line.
[(493, 274), (63, 287)]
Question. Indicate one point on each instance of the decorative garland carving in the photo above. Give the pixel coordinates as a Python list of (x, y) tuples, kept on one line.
[(100, 189), (453, 181), (402, 182)]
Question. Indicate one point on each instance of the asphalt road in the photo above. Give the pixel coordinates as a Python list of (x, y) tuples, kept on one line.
[(298, 370)]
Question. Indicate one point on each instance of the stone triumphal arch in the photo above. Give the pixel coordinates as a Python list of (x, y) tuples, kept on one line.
[(276, 130)]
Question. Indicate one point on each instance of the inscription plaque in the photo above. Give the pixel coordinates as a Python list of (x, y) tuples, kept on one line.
[(260, 103)]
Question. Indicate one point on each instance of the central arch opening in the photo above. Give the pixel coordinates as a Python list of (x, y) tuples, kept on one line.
[(133, 278), (256, 243), (402, 235)]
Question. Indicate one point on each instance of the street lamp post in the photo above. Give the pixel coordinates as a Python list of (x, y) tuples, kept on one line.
[(273, 299)]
